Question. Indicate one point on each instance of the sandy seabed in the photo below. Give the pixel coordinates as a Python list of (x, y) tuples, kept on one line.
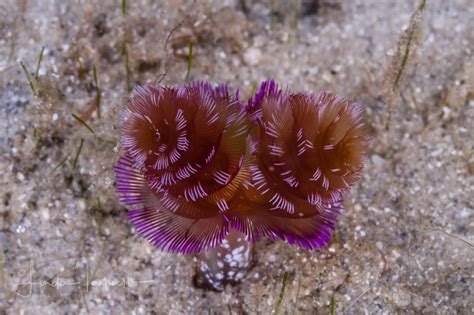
[(404, 242)]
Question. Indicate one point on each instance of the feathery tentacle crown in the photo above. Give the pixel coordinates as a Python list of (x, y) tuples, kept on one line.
[(198, 163)]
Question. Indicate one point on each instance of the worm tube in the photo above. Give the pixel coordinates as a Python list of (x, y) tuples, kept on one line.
[(224, 264)]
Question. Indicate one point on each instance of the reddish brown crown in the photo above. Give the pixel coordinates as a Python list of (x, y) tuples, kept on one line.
[(197, 163), (185, 150), (309, 149)]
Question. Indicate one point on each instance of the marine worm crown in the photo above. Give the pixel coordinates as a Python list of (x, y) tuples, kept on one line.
[(198, 163), (185, 148)]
